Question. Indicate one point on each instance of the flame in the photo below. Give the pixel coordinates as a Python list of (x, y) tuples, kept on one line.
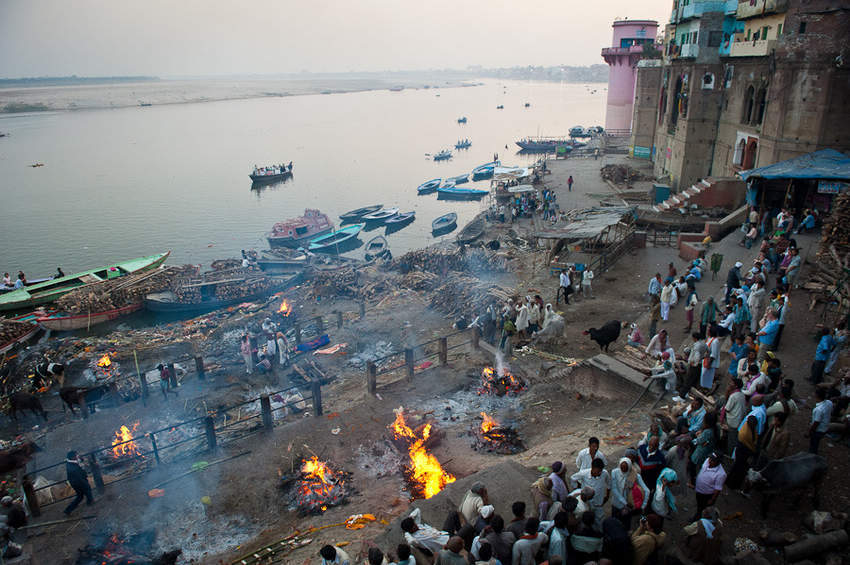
[(123, 444), (425, 471), (318, 483), (501, 383), (104, 361), (285, 308), (488, 423)]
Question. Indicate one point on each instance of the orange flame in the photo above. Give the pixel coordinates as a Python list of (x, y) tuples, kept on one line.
[(285, 308), (488, 423), (425, 471), (318, 481), (123, 444), (104, 361)]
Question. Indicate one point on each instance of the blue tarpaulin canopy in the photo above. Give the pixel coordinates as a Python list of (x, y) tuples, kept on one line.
[(823, 164)]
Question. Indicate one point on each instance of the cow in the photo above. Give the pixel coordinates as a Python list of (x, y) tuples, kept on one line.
[(606, 335), (20, 401), (17, 457), (789, 473), (48, 371), (72, 395)]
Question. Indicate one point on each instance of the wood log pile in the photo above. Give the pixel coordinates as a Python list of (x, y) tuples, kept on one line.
[(465, 295), (235, 283), (442, 260), (11, 330), (348, 282), (636, 359), (420, 280), (123, 291), (226, 264), (621, 174)]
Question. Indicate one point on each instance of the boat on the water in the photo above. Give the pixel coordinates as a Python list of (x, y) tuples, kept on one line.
[(296, 231), (463, 144), (358, 213), (443, 155), (500, 107), (444, 223), (457, 192), (461, 120), (377, 248), (271, 174), (18, 332), (402, 218), (472, 231), (429, 186), (380, 215), (544, 144), (48, 291), (60, 321), (30, 282), (330, 241), (578, 131), (460, 179), (485, 171), (169, 302)]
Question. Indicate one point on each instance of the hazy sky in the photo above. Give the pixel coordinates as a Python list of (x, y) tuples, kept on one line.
[(204, 37)]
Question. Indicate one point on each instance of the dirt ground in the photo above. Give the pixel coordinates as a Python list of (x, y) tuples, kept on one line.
[(247, 509)]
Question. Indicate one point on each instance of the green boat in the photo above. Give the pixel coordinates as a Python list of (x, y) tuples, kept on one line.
[(49, 291)]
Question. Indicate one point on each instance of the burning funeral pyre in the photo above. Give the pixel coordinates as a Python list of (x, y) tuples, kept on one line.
[(424, 474), (112, 549), (285, 308), (124, 444), (495, 437), (104, 368), (500, 382), (319, 487)]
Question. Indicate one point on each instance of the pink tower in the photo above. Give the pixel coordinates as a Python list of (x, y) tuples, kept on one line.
[(630, 36)]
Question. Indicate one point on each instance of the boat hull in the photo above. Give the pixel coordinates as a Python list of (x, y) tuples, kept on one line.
[(353, 215), (292, 242), (542, 147), (332, 241), (80, 321), (159, 302), (19, 340), (445, 223), (267, 179), (461, 193)]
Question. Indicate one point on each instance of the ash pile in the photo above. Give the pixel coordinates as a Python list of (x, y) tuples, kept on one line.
[(114, 549), (499, 381), (316, 486), (494, 437)]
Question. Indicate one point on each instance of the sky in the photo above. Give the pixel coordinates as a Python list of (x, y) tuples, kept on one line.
[(222, 37)]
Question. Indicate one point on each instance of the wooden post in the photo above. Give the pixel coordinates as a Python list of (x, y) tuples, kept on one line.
[(172, 380), (475, 337), (83, 406), (155, 448), (339, 319), (32, 499), (95, 473), (297, 333), (317, 399), (143, 382), (209, 424), (371, 377), (320, 323), (362, 309), (408, 361), (444, 351), (266, 409), (199, 367)]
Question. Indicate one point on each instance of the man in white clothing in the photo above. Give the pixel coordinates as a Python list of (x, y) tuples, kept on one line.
[(422, 535), (599, 480), (586, 281), (585, 457)]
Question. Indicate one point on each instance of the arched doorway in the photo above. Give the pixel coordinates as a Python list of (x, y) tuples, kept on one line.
[(740, 148), (750, 154)]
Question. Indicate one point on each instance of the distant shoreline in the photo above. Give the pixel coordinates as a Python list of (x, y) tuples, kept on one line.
[(70, 81)]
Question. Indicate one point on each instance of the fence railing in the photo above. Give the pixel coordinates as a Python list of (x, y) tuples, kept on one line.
[(206, 433)]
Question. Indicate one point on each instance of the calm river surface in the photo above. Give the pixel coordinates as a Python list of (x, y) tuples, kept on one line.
[(122, 183)]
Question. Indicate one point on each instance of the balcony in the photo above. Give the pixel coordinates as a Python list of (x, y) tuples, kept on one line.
[(688, 51), (615, 51), (760, 8), (758, 48), (696, 9)]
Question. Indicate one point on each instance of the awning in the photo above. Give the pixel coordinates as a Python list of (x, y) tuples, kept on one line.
[(823, 164), (521, 188), (587, 223)]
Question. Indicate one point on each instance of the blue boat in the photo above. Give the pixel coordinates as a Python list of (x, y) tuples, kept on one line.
[(455, 192), (485, 171), (463, 144), (444, 223), (460, 179), (401, 218), (429, 186), (330, 241), (443, 155)]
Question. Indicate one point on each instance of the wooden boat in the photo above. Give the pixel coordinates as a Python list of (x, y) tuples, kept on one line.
[(328, 242), (30, 282), (376, 248), (49, 291), (380, 215), (460, 179), (297, 231), (443, 155), (401, 219), (485, 171), (59, 321), (463, 144), (444, 222), (429, 186), (358, 213), (472, 231), (460, 120), (456, 192), (167, 302), (270, 174), (27, 331)]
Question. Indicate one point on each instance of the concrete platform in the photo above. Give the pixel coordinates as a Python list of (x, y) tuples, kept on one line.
[(611, 366)]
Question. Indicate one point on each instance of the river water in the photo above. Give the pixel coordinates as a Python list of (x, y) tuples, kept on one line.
[(122, 183)]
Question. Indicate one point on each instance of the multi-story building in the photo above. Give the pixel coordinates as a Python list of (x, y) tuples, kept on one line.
[(746, 87)]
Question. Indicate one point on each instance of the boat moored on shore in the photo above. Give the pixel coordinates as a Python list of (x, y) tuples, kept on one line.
[(295, 231)]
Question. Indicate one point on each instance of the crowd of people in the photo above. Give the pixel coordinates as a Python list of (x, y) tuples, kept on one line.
[(265, 348)]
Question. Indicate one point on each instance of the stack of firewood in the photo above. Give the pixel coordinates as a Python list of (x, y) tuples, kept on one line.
[(11, 330), (636, 359), (465, 295), (441, 260), (122, 291)]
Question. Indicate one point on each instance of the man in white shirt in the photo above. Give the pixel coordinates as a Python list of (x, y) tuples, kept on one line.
[(724, 328), (599, 480), (585, 457), (423, 535), (821, 416), (565, 288), (525, 549), (473, 501), (586, 282), (712, 360), (332, 555)]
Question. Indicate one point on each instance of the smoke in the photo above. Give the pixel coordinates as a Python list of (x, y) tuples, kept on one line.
[(501, 365)]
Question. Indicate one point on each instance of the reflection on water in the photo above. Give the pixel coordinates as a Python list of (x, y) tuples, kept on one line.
[(128, 182)]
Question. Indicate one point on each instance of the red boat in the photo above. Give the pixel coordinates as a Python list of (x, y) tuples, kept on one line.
[(297, 231)]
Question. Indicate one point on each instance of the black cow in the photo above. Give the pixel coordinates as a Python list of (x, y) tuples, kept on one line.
[(17, 457), (20, 401), (789, 473), (606, 335), (72, 395)]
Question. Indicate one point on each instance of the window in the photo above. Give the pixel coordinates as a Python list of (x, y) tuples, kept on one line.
[(749, 101), (695, 36), (739, 152), (802, 27), (748, 35), (756, 36), (760, 105), (764, 32), (778, 30), (715, 38)]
